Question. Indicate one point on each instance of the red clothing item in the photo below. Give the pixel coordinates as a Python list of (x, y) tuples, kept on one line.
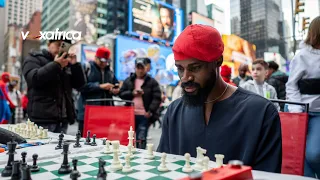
[(3, 87), (227, 80), (24, 102)]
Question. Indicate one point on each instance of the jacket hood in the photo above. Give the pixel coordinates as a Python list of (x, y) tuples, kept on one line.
[(309, 48)]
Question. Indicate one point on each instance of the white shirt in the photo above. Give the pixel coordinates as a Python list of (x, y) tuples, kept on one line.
[(306, 64)]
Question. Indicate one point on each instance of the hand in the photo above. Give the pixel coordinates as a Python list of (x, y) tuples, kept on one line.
[(62, 60), (147, 115), (72, 58), (115, 91), (106, 86), (137, 92)]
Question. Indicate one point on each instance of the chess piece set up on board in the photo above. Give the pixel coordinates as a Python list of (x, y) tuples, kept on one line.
[(29, 130)]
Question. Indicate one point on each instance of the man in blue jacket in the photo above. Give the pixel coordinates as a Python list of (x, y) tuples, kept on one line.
[(101, 83)]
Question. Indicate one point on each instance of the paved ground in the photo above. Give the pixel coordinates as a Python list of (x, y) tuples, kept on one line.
[(154, 133)]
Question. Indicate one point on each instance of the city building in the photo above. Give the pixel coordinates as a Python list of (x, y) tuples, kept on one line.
[(2, 21), (217, 13), (261, 23)]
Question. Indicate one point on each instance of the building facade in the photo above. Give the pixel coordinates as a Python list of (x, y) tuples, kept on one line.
[(260, 22)]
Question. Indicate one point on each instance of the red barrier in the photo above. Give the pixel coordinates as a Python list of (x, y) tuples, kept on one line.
[(112, 122), (294, 131)]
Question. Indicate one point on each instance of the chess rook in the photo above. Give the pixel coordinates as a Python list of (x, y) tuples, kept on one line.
[(219, 159), (150, 151)]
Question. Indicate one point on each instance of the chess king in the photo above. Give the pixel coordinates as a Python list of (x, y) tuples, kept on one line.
[(221, 118)]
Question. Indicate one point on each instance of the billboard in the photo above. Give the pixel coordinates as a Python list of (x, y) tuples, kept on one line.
[(2, 3), (83, 15), (88, 52), (162, 61), (237, 51), (154, 18), (200, 19)]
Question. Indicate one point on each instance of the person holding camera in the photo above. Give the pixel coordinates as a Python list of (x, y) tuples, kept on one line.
[(51, 75), (101, 83), (145, 92)]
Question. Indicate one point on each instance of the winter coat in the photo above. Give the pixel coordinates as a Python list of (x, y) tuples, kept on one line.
[(48, 84), (238, 79)]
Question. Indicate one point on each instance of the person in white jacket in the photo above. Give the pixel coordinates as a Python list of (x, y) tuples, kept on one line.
[(304, 86)]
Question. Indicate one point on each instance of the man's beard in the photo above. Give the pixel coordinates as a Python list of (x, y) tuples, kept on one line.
[(201, 95)]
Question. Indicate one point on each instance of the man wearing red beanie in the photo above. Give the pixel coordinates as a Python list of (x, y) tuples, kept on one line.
[(226, 74), (213, 115)]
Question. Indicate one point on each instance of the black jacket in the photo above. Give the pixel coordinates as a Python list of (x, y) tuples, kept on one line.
[(278, 80), (151, 97), (48, 85), (237, 79)]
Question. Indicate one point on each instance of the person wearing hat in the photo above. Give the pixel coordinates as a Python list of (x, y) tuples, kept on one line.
[(226, 74), (50, 79), (145, 92), (213, 115), (101, 83)]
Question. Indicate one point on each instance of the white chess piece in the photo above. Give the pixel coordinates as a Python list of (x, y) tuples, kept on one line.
[(130, 151), (45, 134), (107, 149), (199, 162), (116, 164), (40, 132), (150, 151), (163, 167), (127, 167), (187, 167), (131, 138), (206, 163), (219, 159), (115, 146), (33, 134)]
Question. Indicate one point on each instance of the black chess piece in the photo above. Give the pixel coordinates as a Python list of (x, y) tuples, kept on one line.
[(102, 173), (23, 157), (75, 173), (94, 140), (26, 174), (65, 167), (7, 171), (88, 140), (59, 146), (77, 144), (104, 142), (16, 173), (34, 167)]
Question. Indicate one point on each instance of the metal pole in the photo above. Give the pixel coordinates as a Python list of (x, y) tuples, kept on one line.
[(294, 28)]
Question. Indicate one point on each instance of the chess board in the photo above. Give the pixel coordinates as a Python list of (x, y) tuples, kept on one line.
[(88, 163)]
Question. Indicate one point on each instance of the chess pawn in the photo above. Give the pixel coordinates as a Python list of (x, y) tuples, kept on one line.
[(187, 167), (206, 163), (107, 149), (150, 151), (163, 167), (127, 167), (34, 167)]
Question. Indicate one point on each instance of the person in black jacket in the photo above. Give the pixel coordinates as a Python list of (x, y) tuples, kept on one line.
[(242, 78), (145, 92), (50, 79), (278, 80)]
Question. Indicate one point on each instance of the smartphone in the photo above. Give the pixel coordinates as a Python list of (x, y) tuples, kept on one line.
[(64, 47), (139, 91)]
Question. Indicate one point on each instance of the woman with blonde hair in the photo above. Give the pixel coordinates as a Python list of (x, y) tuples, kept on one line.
[(304, 86)]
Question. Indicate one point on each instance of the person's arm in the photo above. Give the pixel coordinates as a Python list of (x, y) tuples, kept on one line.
[(77, 76), (37, 75), (125, 91), (297, 70), (5, 93), (156, 97), (164, 140), (269, 152)]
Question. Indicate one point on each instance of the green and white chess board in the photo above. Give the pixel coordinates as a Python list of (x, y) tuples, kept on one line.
[(88, 166)]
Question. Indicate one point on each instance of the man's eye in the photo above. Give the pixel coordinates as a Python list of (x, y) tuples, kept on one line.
[(195, 68)]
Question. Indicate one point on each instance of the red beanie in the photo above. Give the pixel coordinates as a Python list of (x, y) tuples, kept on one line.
[(198, 41), (225, 71)]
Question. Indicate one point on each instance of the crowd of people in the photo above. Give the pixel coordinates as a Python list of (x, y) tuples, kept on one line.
[(218, 108)]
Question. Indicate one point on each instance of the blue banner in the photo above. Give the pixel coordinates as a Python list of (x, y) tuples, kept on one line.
[(2, 3)]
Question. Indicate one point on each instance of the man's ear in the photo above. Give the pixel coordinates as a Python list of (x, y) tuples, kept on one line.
[(219, 61)]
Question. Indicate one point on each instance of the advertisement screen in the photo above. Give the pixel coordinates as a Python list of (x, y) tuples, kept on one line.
[(88, 52), (154, 18), (199, 19), (163, 67), (83, 15), (2, 3), (238, 51)]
